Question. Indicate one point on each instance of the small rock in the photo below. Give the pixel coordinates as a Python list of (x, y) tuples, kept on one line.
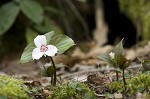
[(118, 96), (46, 92)]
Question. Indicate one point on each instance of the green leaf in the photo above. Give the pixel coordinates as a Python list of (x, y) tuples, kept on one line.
[(47, 70), (126, 64), (62, 42), (30, 35), (8, 15), (33, 10), (118, 70), (121, 60), (73, 84), (48, 36), (105, 57), (79, 87), (27, 54), (3, 97), (109, 95), (118, 50), (147, 72), (48, 25), (57, 29), (89, 96), (50, 71), (141, 89), (45, 26), (52, 10), (43, 70)]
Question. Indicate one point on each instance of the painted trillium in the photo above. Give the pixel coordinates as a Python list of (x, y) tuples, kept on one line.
[(42, 48), (112, 55)]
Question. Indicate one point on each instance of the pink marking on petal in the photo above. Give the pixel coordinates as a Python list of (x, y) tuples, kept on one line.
[(43, 48)]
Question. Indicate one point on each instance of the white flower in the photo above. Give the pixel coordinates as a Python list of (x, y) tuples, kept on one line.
[(112, 55), (42, 48)]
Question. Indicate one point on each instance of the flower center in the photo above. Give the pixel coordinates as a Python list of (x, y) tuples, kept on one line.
[(43, 48)]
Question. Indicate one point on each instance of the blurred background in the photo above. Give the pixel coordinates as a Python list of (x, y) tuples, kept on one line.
[(100, 21)]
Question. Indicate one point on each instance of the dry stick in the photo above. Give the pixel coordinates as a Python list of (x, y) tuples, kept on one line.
[(54, 80)]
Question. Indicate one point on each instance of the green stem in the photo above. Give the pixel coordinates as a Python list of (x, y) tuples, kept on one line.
[(117, 76), (51, 76), (124, 81), (54, 80)]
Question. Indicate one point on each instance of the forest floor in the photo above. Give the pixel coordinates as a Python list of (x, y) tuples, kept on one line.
[(82, 66)]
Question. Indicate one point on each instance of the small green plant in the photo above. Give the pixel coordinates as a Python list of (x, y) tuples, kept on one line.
[(116, 87), (140, 83), (117, 60), (72, 90), (12, 88), (145, 65), (47, 45)]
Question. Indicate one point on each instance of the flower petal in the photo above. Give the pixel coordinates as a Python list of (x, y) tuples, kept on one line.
[(36, 54), (52, 50), (112, 55), (40, 40)]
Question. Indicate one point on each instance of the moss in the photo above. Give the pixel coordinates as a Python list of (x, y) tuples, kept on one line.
[(12, 88), (116, 87), (140, 83), (72, 90)]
